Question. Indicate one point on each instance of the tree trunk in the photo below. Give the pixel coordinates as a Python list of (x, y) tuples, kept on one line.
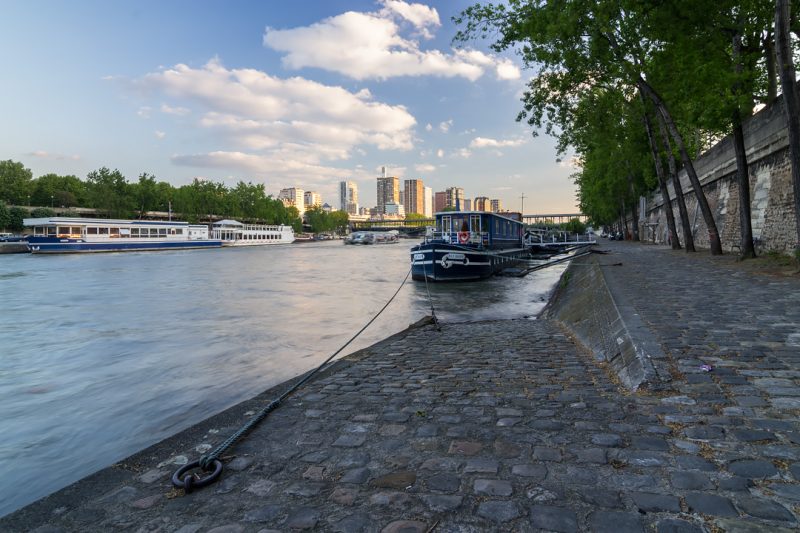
[(790, 100), (742, 171), (634, 209), (624, 221), (769, 58), (662, 182), (688, 237), (708, 216)]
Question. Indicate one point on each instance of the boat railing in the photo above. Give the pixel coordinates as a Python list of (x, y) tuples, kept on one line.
[(458, 237)]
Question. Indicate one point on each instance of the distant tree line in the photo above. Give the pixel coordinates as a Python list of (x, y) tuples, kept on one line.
[(321, 221), (636, 90), (109, 191)]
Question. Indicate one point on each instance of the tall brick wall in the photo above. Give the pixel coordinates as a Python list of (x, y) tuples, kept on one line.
[(771, 195)]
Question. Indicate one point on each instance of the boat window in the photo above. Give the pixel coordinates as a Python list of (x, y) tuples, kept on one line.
[(475, 223), (162, 232), (76, 230), (63, 231), (134, 232), (153, 232), (91, 231), (114, 232), (179, 231), (103, 231), (447, 224)]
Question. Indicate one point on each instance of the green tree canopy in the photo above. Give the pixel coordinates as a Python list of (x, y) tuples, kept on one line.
[(15, 182)]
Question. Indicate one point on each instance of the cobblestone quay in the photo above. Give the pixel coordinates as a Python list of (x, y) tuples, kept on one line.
[(505, 426)]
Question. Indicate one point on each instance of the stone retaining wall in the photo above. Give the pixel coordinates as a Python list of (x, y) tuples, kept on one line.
[(610, 328), (771, 194)]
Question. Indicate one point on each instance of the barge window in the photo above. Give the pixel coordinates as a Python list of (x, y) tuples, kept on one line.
[(91, 231), (102, 231), (179, 231), (162, 232), (153, 232), (114, 233), (51, 231)]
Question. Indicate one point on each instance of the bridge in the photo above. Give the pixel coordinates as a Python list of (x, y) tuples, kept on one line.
[(418, 225)]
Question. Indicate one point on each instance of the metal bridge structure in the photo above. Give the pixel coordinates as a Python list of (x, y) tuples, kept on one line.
[(417, 226)]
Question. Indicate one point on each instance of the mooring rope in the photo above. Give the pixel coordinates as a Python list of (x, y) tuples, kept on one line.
[(430, 299), (211, 463)]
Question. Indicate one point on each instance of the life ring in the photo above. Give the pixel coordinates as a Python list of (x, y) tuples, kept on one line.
[(463, 237)]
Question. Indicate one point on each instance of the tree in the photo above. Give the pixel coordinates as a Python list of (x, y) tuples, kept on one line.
[(576, 47), (5, 216), (42, 212), (52, 189), (15, 182), (791, 101), (15, 218), (109, 191), (146, 193)]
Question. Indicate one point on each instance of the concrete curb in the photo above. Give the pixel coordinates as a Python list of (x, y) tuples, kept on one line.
[(593, 308)]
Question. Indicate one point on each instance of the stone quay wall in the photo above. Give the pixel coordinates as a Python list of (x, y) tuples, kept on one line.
[(771, 194)]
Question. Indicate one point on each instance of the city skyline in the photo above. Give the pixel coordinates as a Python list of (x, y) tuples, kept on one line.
[(276, 95)]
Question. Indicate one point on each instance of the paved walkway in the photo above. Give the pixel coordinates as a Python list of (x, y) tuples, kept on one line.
[(506, 426)]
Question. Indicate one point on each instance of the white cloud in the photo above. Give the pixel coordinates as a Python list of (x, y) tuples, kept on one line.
[(41, 154), (279, 125), (445, 126), (486, 142), (463, 152), (425, 167), (439, 153), (507, 70), (369, 45), (160, 134), (428, 127), (144, 111), (180, 111), (420, 16)]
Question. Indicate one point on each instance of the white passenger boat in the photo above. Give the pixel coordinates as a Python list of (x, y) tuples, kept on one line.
[(234, 233), (60, 235)]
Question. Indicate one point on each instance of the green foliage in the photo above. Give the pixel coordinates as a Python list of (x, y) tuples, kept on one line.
[(415, 216), (321, 221), (15, 182), (42, 212), (5, 216), (15, 217), (575, 226), (109, 191)]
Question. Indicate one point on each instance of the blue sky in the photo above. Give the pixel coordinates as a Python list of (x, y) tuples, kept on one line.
[(298, 94)]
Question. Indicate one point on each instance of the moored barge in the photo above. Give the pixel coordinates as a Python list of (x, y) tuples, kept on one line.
[(60, 235), (468, 245)]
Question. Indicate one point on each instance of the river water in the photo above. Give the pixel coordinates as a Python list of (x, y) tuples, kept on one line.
[(102, 355)]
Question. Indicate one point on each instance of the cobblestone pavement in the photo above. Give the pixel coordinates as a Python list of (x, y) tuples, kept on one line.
[(509, 426)]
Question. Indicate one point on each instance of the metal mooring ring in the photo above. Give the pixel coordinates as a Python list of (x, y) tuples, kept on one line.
[(189, 482)]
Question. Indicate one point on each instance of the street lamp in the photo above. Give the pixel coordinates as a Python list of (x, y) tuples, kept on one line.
[(51, 201)]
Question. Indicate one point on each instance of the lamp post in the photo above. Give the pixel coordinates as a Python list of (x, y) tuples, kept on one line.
[(52, 197)]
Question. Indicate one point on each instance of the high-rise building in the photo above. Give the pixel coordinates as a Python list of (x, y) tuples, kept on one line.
[(294, 197), (428, 211), (414, 196), (439, 201), (312, 199), (467, 205), (388, 190), (394, 209), (482, 203), (455, 197), (348, 197), (497, 205)]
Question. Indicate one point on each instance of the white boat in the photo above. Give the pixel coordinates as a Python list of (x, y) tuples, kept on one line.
[(234, 233), (59, 235)]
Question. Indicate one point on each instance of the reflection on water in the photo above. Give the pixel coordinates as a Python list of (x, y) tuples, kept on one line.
[(103, 355)]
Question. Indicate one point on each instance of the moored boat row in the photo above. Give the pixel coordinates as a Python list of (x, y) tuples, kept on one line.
[(58, 235)]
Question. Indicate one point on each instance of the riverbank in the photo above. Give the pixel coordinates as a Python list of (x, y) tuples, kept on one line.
[(507, 425)]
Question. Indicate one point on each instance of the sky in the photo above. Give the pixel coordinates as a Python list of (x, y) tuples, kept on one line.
[(289, 94)]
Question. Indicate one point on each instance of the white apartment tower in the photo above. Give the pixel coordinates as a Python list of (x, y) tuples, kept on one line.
[(294, 197), (312, 199), (348, 197), (428, 212)]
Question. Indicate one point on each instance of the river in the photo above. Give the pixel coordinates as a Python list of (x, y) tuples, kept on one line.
[(102, 355)]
